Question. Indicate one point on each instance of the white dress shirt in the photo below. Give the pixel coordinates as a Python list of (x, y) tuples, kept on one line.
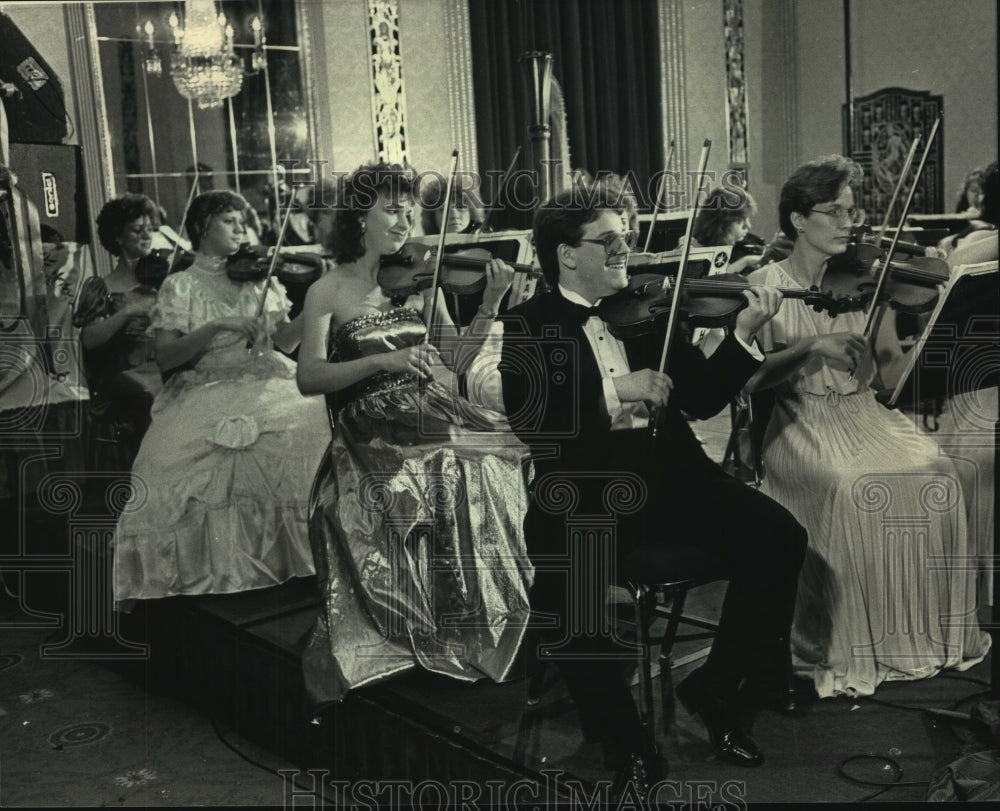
[(613, 362)]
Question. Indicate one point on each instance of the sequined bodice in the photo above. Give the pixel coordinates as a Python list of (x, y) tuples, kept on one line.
[(370, 335)]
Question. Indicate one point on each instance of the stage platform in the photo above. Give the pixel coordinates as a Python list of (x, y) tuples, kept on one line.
[(237, 658)]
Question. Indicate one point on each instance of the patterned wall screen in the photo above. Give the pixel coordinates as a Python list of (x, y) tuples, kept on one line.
[(885, 124)]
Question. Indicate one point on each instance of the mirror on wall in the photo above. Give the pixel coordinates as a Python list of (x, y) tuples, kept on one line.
[(205, 94)]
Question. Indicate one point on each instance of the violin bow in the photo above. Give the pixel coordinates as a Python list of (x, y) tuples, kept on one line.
[(180, 227), (659, 196), (884, 274), (899, 184), (446, 212), (678, 284), (503, 183), (274, 254)]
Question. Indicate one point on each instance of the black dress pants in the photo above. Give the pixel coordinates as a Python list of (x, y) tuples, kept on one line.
[(747, 537)]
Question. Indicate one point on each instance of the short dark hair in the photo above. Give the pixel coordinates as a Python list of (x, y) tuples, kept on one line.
[(819, 181), (206, 206), (117, 213), (561, 222), (359, 195), (722, 208)]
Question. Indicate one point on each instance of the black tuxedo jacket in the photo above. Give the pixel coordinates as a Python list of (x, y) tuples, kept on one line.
[(554, 398)]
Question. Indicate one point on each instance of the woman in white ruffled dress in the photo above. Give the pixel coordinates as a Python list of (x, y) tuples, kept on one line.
[(221, 482), (888, 588)]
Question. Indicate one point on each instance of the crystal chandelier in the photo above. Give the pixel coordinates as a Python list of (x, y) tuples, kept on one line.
[(203, 64)]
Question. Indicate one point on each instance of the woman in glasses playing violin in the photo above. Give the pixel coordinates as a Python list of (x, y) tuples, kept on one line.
[(877, 600), (417, 507)]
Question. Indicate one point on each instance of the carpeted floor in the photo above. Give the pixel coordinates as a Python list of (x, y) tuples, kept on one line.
[(76, 732), (87, 732)]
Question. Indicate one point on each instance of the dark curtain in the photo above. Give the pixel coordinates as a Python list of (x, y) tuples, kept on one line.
[(607, 61)]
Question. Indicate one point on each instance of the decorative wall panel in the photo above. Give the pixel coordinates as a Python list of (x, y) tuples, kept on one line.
[(885, 124), (388, 99), (736, 94), (461, 96), (673, 88)]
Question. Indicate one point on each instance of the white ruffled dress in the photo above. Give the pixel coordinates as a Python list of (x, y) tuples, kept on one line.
[(220, 487)]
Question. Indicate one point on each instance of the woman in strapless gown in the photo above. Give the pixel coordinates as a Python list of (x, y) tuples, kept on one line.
[(417, 508)]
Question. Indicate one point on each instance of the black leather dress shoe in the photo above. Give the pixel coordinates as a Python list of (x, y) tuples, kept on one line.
[(641, 772), (719, 714)]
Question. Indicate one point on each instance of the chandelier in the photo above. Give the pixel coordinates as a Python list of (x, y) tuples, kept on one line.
[(203, 62)]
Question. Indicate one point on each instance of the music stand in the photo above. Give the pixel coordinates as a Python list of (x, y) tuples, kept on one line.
[(959, 352)]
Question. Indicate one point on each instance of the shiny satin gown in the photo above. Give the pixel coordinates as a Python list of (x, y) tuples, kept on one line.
[(416, 526), (219, 497)]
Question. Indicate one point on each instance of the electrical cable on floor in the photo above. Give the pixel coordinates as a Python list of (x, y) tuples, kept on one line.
[(302, 789), (884, 787), (951, 715)]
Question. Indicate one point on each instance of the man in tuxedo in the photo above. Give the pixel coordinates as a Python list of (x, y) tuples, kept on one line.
[(582, 399)]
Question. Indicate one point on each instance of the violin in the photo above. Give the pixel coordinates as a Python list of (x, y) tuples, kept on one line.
[(910, 287), (463, 273), (750, 245), (251, 263), (150, 270), (712, 301)]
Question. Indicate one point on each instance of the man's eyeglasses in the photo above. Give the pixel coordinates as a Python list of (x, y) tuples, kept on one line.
[(843, 216), (616, 243)]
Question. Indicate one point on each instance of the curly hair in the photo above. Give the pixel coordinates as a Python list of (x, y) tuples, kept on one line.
[(359, 195), (561, 222), (723, 207), (117, 213), (819, 181), (205, 207)]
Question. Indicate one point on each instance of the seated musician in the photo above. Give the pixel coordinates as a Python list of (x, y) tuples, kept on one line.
[(417, 508), (586, 421), (466, 214), (978, 243), (221, 482), (970, 199), (724, 219), (113, 312), (845, 466)]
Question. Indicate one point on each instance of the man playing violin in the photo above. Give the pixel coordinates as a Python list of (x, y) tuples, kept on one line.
[(586, 419)]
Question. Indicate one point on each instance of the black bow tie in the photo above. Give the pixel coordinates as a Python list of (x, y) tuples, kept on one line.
[(583, 312)]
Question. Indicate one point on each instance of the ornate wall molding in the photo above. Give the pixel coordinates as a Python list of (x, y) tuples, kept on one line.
[(787, 35), (304, 38), (461, 94), (673, 87), (388, 98), (736, 91), (92, 119)]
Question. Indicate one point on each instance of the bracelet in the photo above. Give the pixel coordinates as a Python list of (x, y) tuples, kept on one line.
[(490, 313)]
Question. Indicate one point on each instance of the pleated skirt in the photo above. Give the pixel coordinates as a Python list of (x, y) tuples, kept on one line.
[(888, 589)]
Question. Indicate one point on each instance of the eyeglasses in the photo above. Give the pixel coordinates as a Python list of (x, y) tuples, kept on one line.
[(845, 216), (612, 242)]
